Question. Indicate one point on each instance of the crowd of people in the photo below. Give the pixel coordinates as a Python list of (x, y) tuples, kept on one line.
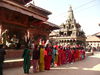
[(41, 55), (46, 56)]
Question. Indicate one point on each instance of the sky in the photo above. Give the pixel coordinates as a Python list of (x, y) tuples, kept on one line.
[(86, 12)]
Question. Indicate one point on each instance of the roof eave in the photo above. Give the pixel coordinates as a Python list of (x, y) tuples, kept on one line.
[(22, 9), (52, 25), (39, 8)]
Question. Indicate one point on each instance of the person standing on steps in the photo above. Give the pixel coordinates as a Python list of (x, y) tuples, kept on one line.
[(2, 56)]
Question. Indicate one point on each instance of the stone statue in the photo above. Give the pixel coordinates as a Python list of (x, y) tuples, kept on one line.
[(4, 36)]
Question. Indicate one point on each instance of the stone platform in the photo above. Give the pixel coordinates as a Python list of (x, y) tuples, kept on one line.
[(13, 58)]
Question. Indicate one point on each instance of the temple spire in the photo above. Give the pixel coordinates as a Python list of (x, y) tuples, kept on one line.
[(70, 13)]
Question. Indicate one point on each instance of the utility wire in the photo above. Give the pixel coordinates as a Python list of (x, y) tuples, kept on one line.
[(86, 8), (75, 10), (84, 4)]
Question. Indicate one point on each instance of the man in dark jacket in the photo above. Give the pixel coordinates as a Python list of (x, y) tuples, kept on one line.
[(2, 54)]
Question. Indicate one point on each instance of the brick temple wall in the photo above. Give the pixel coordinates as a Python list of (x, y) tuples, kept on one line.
[(13, 58)]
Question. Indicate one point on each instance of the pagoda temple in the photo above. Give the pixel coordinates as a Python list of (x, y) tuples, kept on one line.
[(70, 32), (20, 19), (22, 22)]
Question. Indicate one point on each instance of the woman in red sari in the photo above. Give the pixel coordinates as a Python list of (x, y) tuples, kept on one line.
[(48, 57), (64, 56), (59, 56)]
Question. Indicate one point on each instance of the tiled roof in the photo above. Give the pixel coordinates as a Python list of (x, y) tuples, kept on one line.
[(93, 38)]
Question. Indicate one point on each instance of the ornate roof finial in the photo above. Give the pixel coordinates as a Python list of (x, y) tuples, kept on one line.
[(70, 8), (33, 2)]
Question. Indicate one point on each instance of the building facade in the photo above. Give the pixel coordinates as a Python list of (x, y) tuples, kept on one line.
[(93, 41)]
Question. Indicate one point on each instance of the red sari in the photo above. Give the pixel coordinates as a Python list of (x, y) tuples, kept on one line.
[(59, 57), (69, 56), (64, 57), (48, 58)]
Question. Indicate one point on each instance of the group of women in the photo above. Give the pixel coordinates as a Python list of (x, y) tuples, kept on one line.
[(44, 57), (67, 54)]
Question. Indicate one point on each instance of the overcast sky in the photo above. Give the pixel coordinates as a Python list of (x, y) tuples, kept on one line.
[(86, 12)]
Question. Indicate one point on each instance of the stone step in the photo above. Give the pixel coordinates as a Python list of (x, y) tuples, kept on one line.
[(13, 63)]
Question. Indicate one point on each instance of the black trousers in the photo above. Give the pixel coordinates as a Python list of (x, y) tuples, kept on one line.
[(1, 68)]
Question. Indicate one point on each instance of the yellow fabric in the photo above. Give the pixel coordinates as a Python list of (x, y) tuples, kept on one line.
[(56, 59), (41, 63)]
